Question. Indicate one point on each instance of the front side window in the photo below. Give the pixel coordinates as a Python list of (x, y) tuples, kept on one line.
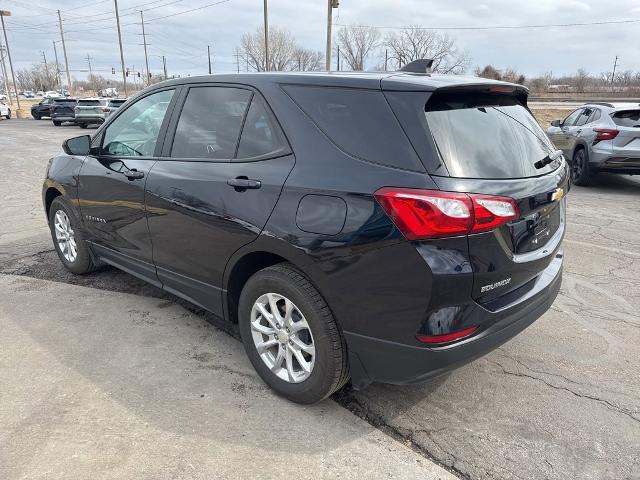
[(260, 134), (210, 123), (135, 132), (571, 119)]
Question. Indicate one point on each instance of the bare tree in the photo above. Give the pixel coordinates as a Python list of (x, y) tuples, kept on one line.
[(489, 71), (282, 46), (356, 44), (413, 43), (307, 60), (581, 80)]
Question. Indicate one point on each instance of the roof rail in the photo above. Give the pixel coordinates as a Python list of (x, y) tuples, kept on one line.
[(422, 65), (603, 104)]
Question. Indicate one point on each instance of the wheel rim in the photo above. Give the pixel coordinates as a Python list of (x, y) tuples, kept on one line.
[(282, 338), (578, 165), (65, 236)]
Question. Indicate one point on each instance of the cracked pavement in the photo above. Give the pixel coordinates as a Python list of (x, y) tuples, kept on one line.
[(561, 400)]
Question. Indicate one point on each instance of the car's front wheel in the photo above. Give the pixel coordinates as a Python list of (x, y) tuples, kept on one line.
[(36, 116), (56, 123), (68, 239), (290, 335)]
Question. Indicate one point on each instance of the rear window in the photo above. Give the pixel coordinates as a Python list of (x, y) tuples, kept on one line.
[(359, 122), (88, 103), (628, 118), (487, 136), (116, 103)]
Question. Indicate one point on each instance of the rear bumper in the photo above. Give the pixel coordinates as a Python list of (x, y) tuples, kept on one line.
[(377, 360), (63, 118), (89, 119)]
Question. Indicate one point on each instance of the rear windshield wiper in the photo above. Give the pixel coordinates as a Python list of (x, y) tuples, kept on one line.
[(552, 157)]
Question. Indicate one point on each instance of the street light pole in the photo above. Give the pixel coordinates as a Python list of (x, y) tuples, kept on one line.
[(5, 13), (266, 38)]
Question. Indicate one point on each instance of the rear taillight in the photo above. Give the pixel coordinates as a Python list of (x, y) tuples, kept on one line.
[(423, 214), (105, 109), (606, 133), (447, 337)]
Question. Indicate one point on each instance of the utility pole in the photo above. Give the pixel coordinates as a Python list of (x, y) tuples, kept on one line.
[(209, 55), (55, 52), (4, 72), (338, 62), (613, 74), (144, 42), (237, 60), (331, 4), (5, 13), (266, 38), (164, 66), (90, 73), (124, 76), (386, 58), (46, 69), (64, 51)]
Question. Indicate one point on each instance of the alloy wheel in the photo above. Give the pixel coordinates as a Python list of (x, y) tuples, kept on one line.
[(65, 236), (578, 165), (282, 337)]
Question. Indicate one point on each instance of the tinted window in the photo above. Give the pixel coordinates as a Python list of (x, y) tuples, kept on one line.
[(210, 122), (584, 117), (359, 121), (260, 134), (570, 120), (135, 132), (88, 103), (596, 115), (487, 136), (628, 118)]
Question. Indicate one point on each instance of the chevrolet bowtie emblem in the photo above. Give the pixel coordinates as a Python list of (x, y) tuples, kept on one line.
[(557, 194)]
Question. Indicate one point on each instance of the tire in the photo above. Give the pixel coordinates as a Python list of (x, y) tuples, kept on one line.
[(329, 369), (36, 116), (82, 262), (83, 125), (57, 123), (8, 115), (581, 173)]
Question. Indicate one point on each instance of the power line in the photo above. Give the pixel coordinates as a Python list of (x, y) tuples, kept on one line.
[(499, 27)]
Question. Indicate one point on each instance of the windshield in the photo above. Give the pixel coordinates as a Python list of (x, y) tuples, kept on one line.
[(487, 136)]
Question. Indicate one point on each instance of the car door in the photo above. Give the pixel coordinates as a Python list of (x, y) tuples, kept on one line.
[(575, 131), (214, 187), (563, 141), (111, 183)]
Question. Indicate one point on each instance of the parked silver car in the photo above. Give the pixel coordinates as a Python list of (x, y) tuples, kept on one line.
[(599, 137)]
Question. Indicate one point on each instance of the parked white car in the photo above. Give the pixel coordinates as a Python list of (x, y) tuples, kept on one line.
[(52, 94), (5, 111)]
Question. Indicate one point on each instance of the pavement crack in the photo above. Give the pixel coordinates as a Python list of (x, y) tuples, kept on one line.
[(609, 405)]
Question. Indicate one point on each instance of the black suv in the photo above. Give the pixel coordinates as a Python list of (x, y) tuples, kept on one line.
[(63, 110), (380, 227), (42, 109)]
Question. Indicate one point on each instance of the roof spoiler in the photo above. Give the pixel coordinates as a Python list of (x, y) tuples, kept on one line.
[(422, 65)]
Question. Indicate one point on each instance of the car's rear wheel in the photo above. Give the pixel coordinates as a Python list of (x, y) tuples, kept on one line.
[(83, 125), (8, 115), (290, 335), (581, 174), (57, 123), (68, 239)]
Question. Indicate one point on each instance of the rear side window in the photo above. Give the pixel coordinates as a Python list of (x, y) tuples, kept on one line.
[(584, 117), (261, 135), (487, 136), (359, 122), (628, 118), (595, 116), (210, 122)]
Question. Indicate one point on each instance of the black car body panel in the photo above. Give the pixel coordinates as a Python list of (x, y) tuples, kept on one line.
[(198, 227), (62, 110)]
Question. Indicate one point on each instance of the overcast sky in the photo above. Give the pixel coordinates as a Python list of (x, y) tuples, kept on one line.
[(183, 38)]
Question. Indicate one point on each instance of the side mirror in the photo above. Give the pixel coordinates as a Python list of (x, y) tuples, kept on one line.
[(77, 145), (556, 123)]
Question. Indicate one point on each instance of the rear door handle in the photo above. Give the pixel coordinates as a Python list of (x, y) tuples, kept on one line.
[(243, 183), (133, 174)]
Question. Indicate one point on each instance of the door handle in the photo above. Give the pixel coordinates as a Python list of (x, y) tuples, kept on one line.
[(133, 174), (242, 183)]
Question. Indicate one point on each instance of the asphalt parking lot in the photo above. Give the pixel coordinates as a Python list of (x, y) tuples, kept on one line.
[(561, 400)]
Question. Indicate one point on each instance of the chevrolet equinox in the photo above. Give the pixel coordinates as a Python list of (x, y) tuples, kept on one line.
[(377, 227)]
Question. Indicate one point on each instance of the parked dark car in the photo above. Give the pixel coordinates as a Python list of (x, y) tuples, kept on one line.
[(63, 110), (42, 109), (383, 227), (599, 137)]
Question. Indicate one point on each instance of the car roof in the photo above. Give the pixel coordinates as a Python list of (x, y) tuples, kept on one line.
[(614, 105), (372, 80)]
